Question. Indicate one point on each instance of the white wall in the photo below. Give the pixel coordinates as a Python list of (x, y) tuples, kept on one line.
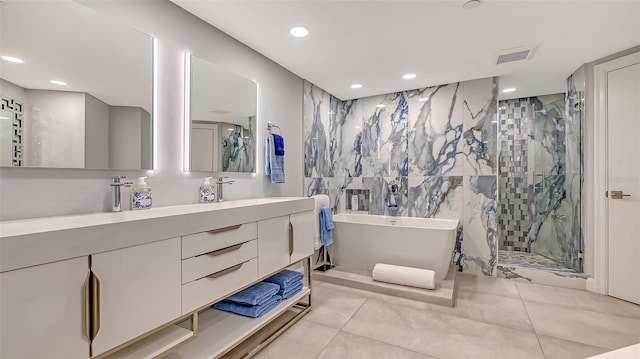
[(63, 192), (125, 135), (54, 129), (96, 151)]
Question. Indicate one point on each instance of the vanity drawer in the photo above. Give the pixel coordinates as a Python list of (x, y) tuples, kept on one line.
[(212, 262), (205, 242), (214, 287)]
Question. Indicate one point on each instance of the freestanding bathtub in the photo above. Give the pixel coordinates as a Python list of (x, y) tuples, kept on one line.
[(363, 240)]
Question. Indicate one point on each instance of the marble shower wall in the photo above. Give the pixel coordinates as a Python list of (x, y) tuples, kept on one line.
[(540, 176), (438, 143)]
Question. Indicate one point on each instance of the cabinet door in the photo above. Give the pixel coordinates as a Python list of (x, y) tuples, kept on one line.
[(303, 230), (139, 291), (42, 311), (273, 245)]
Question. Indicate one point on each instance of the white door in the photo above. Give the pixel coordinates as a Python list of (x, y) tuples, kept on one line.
[(42, 310), (273, 245), (205, 148), (623, 140), (303, 225), (140, 289)]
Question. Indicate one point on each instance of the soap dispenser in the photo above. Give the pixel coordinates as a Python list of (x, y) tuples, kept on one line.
[(141, 195), (207, 191)]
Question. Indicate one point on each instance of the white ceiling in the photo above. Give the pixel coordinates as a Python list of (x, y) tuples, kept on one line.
[(67, 41), (375, 42)]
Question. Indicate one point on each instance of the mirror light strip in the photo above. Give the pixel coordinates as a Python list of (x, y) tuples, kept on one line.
[(187, 113), (258, 131), (155, 105)]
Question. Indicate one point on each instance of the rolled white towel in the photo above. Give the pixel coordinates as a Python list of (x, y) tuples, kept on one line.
[(414, 277), (320, 200)]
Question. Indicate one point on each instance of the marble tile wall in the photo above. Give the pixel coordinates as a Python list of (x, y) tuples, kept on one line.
[(439, 144)]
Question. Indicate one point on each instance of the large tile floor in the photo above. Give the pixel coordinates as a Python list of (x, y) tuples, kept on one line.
[(493, 318)]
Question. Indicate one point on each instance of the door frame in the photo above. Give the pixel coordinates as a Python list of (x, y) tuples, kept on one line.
[(601, 208)]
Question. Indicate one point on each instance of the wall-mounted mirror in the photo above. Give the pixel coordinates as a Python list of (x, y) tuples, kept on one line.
[(76, 88), (221, 120)]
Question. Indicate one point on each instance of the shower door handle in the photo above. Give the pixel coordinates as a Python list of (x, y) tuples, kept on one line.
[(619, 195)]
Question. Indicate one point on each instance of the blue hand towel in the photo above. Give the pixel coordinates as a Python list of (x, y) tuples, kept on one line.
[(274, 165), (291, 291), (285, 278), (278, 143), (326, 226), (253, 311), (257, 294)]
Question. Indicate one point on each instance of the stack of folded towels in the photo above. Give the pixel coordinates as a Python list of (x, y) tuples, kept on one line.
[(252, 302), (290, 282), (261, 297)]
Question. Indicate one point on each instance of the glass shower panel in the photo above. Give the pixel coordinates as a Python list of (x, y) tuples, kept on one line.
[(540, 180)]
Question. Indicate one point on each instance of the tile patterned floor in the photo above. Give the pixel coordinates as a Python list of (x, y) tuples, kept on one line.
[(530, 260), (493, 318)]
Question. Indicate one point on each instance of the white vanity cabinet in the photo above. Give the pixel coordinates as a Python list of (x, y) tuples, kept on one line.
[(42, 311), (139, 290), (284, 240), (137, 284)]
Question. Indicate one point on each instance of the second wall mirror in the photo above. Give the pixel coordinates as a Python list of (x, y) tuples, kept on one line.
[(220, 121)]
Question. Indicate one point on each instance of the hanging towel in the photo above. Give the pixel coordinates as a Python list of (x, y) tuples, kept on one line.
[(257, 294), (278, 143), (291, 291), (274, 165), (253, 311), (285, 278), (326, 226), (319, 201)]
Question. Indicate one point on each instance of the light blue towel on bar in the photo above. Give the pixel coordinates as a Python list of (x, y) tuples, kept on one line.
[(274, 165), (326, 226), (291, 291), (285, 278), (253, 311), (256, 294)]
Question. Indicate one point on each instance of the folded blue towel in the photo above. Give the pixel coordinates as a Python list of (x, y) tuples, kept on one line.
[(273, 164), (253, 311), (291, 291), (278, 144), (285, 278), (326, 226), (257, 294)]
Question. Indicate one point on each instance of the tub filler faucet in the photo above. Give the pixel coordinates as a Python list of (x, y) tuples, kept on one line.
[(116, 196), (394, 188)]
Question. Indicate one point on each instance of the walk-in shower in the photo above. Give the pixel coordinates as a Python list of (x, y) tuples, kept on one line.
[(540, 180)]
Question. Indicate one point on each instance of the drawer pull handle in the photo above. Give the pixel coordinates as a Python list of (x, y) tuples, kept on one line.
[(224, 250), (225, 271), (224, 229), (95, 305), (291, 242), (87, 307)]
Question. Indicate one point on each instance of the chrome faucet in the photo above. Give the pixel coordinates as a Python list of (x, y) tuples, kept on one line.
[(221, 182), (393, 200), (116, 197)]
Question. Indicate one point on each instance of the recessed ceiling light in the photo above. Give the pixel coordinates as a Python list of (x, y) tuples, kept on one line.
[(409, 76), (299, 31), (58, 82), (510, 89), (471, 4), (356, 86), (423, 99), (381, 105), (357, 127), (12, 59)]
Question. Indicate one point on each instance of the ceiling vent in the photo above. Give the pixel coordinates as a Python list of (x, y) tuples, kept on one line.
[(219, 111), (515, 54)]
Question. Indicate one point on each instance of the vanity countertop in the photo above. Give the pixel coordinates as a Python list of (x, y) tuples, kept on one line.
[(36, 241)]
